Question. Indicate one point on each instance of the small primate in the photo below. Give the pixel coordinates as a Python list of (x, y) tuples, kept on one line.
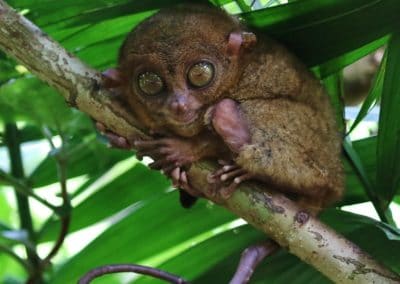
[(206, 87)]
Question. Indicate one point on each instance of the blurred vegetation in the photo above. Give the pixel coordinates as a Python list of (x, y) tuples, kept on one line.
[(123, 212)]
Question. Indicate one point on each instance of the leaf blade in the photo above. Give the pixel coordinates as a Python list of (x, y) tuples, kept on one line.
[(388, 151)]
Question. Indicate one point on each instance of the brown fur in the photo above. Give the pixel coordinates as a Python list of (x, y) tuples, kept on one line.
[(294, 144)]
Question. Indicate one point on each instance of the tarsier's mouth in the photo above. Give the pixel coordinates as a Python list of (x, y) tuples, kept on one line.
[(187, 118), (187, 125)]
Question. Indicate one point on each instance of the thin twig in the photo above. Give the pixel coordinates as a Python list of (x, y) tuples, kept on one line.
[(117, 268), (64, 219)]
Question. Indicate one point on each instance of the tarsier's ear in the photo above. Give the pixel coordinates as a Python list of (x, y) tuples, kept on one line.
[(240, 41), (111, 78)]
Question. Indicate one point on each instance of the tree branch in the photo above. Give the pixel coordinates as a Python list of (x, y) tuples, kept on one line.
[(268, 211)]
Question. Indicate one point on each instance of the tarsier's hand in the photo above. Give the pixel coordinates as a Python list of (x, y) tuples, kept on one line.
[(170, 155)]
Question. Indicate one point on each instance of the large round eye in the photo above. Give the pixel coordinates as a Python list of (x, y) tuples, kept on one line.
[(150, 83), (201, 74)]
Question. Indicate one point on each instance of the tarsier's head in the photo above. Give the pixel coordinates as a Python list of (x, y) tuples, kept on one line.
[(179, 62)]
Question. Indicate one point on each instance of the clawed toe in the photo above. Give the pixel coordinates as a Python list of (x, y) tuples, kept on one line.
[(230, 174)]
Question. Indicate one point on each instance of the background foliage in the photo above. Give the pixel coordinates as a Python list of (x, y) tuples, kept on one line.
[(122, 211)]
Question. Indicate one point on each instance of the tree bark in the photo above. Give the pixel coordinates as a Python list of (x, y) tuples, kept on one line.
[(269, 211)]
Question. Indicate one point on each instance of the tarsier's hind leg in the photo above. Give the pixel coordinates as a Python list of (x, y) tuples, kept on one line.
[(293, 149), (287, 145)]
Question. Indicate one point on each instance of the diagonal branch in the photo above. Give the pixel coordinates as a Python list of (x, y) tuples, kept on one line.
[(268, 211)]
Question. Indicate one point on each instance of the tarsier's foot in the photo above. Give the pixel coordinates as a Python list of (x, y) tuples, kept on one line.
[(171, 156), (229, 173), (114, 139)]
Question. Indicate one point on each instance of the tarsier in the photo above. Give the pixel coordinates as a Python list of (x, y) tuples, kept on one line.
[(208, 88)]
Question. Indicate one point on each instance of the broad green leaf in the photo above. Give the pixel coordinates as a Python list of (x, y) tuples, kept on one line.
[(388, 151), (47, 12), (74, 13), (103, 38), (11, 269), (319, 31), (157, 227), (85, 156), (96, 33), (137, 185), (34, 101), (108, 50), (202, 258)]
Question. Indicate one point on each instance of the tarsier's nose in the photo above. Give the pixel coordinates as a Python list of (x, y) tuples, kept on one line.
[(180, 104)]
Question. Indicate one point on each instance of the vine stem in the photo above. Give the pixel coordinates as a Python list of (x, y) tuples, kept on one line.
[(116, 268)]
